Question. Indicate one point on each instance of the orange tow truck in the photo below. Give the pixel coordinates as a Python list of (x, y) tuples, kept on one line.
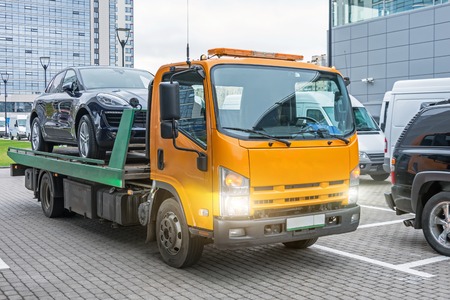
[(232, 158)]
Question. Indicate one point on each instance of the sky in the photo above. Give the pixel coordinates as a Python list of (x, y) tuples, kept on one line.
[(285, 26)]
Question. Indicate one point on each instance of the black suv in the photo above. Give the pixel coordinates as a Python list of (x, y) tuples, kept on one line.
[(421, 175)]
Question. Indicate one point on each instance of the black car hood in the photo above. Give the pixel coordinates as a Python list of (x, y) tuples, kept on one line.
[(128, 94)]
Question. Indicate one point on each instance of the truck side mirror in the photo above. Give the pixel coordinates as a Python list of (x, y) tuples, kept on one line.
[(169, 101), (347, 81), (169, 104)]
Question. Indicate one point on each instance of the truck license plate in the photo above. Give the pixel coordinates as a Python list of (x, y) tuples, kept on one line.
[(305, 222)]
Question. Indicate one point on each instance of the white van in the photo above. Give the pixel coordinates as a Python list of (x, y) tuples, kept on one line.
[(403, 102), (2, 127), (370, 139), (21, 128), (370, 142)]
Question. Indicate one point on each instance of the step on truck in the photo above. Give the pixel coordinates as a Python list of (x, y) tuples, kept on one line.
[(257, 172)]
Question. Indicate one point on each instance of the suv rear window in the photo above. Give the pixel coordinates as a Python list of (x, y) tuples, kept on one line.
[(431, 128)]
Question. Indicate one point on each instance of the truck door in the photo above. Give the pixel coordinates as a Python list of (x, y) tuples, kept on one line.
[(180, 167)]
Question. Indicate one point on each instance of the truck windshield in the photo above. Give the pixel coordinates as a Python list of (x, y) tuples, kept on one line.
[(286, 103)]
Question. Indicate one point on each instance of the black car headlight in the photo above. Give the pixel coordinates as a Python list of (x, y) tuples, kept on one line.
[(111, 100)]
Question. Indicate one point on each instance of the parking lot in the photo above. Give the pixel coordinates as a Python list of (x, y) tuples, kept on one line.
[(77, 258)]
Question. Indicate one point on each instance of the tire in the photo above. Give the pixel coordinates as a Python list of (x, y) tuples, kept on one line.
[(12, 137), (37, 141), (177, 247), (87, 144), (51, 206), (381, 177), (18, 137), (436, 222), (302, 244)]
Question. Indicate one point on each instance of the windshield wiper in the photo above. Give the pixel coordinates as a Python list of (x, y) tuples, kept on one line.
[(324, 133), (286, 142)]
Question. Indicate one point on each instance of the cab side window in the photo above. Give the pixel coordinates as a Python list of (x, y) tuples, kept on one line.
[(192, 107)]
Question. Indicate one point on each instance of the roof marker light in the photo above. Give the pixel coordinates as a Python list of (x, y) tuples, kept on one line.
[(250, 53)]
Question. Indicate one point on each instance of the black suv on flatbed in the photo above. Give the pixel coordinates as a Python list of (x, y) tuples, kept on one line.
[(421, 175)]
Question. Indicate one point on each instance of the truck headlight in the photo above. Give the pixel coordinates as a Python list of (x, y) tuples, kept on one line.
[(234, 194), (354, 184)]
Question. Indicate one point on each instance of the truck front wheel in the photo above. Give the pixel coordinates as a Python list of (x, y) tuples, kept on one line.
[(436, 222), (177, 247), (51, 206), (302, 244)]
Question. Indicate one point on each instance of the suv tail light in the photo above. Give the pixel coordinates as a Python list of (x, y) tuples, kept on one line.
[(393, 171)]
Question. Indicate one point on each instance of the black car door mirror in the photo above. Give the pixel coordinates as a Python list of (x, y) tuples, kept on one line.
[(70, 87)]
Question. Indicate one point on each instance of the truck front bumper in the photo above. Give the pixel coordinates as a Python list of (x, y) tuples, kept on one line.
[(230, 234)]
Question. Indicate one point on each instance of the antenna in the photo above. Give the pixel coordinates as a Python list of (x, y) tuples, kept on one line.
[(187, 34)]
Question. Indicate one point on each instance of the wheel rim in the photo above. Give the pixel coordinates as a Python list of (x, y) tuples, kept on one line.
[(440, 223), (45, 195), (35, 136), (83, 139), (170, 233)]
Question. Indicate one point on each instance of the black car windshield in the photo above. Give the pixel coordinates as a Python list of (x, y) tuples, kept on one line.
[(100, 78), (285, 103)]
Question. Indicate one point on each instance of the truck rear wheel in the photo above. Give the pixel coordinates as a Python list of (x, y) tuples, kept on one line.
[(177, 247), (302, 244), (436, 222), (51, 206)]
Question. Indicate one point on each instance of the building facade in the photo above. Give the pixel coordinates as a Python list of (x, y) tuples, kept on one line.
[(377, 42), (68, 32)]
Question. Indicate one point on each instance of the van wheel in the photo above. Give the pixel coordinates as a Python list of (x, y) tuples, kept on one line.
[(51, 206), (302, 244), (87, 144), (436, 222), (37, 141), (18, 137), (381, 177), (177, 247)]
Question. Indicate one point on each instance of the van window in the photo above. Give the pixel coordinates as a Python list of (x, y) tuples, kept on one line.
[(384, 115)]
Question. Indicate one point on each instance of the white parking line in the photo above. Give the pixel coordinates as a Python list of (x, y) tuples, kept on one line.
[(406, 268), (422, 262), (376, 207), (3, 266), (381, 223)]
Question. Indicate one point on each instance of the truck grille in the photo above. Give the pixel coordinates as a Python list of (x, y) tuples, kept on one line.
[(113, 118), (296, 198)]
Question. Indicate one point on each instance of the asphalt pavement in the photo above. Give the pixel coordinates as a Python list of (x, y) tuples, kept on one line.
[(78, 258)]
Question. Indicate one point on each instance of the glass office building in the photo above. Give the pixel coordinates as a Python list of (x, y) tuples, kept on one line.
[(69, 32), (377, 42)]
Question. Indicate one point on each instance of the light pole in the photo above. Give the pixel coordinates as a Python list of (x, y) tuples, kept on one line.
[(5, 77), (45, 62), (330, 34), (123, 34)]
